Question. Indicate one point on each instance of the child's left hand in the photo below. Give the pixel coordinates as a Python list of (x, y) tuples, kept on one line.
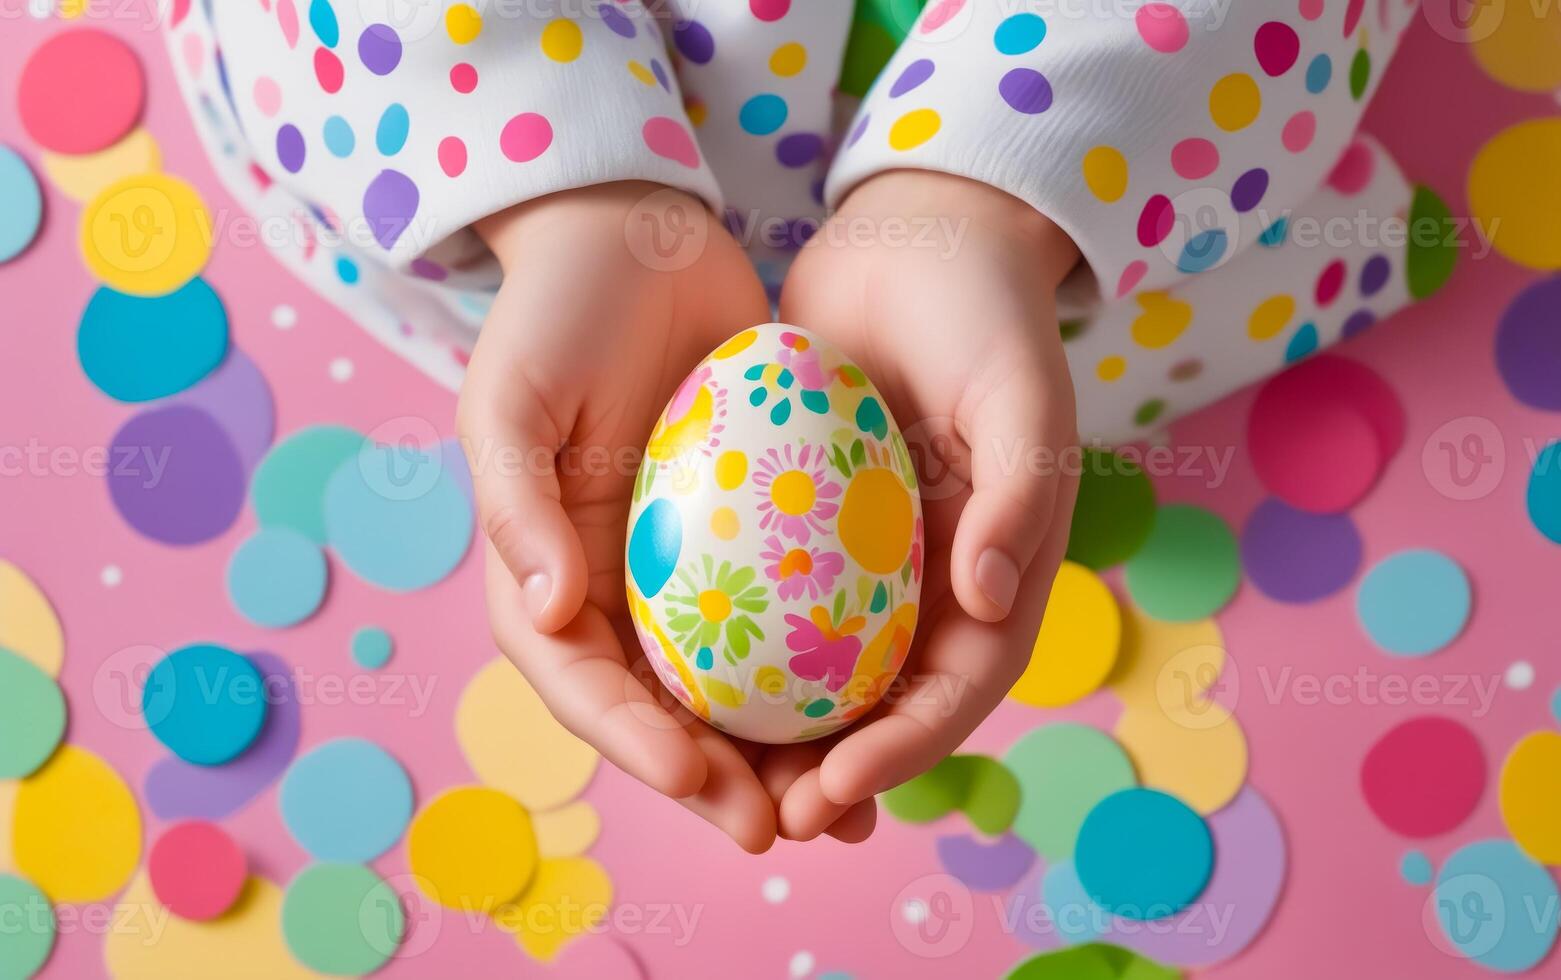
[(960, 334)]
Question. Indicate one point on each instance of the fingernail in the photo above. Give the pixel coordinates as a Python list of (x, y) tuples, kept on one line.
[(998, 578), (537, 589)]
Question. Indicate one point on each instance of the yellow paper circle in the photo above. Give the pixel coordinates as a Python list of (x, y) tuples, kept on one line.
[(146, 235), (472, 849), (1168, 666), (1518, 43), (568, 831), (8, 789), (513, 743), (1531, 795), (28, 626), (568, 897), (1204, 765), (1077, 643), (82, 178), (1514, 193), (76, 830)]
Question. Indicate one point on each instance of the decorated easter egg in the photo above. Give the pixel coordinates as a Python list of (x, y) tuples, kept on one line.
[(775, 541)]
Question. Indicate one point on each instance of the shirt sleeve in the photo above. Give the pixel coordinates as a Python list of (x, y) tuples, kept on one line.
[(406, 123), (1164, 140)]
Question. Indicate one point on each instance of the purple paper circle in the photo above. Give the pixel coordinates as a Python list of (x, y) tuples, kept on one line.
[(379, 48), (1528, 345), (238, 397), (1026, 90), (1295, 556), (174, 475)]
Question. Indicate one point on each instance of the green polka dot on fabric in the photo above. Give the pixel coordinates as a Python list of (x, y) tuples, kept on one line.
[(32, 717), (27, 934), (1189, 567), (289, 484), (1063, 770), (341, 919), (1115, 511)]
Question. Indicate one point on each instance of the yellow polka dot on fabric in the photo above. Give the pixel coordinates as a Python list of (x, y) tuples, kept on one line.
[(1200, 759), (513, 743), (472, 848), (1162, 321), (562, 40), (1077, 644), (28, 626), (914, 128), (1519, 44), (1270, 317), (146, 235), (724, 523), (147, 943), (1177, 665), (567, 898), (697, 112), (76, 829), (789, 59), (1531, 795), (731, 468), (642, 73), (1111, 368), (1105, 173), (82, 177), (567, 831), (463, 23), (1514, 193), (1234, 102)]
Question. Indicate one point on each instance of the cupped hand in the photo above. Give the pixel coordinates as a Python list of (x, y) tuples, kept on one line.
[(943, 291)]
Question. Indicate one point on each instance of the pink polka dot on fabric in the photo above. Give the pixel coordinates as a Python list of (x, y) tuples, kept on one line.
[(1131, 276), (1276, 45), (526, 137), (1352, 15), (940, 13), (452, 156), (268, 96), (287, 16), (194, 54), (1311, 9), (1330, 282), (1194, 158), (463, 78), (769, 10), (1162, 27), (1353, 171), (1155, 221), (328, 70), (669, 139), (1299, 131)]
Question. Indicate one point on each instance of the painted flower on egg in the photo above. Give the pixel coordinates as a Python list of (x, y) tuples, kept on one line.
[(776, 542)]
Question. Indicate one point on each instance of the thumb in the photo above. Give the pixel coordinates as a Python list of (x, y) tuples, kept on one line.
[(1015, 431), (512, 444)]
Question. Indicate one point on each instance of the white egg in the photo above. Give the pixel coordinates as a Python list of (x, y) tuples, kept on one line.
[(775, 542)]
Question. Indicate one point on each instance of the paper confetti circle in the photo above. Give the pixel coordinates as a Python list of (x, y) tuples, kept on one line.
[(276, 578), (1484, 905), (986, 866), (178, 478), (1143, 854), (1078, 642), (197, 870), (1199, 759), (1531, 795), (1064, 770), (1528, 345), (247, 939), (80, 91), (148, 234), (1114, 513), (137, 348), (1544, 492), (513, 743), (371, 647), (342, 919), (1189, 567), (289, 484), (1295, 556), (29, 627), (472, 849), (347, 800), (238, 398), (399, 521), (82, 177), (1424, 777), (28, 938), (566, 897), (979, 786), (32, 716), (1513, 194), (21, 201), (1414, 603), (76, 828), (205, 703)]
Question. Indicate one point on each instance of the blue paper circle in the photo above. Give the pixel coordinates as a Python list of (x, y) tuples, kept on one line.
[(347, 800), (397, 517), (137, 348), (1414, 603), (205, 702), (1544, 492), (21, 202), (1496, 906), (1143, 854), (290, 482), (276, 578), (371, 648), (1415, 868)]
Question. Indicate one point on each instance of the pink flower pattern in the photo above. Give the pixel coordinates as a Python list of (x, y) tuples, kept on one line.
[(799, 570)]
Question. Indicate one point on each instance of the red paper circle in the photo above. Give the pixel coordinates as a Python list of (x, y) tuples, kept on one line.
[(1424, 777), (80, 92), (197, 870)]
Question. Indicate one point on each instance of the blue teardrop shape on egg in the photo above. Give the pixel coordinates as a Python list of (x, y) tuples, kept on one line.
[(654, 545)]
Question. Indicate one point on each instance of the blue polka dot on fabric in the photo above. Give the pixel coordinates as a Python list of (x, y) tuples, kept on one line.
[(763, 114), (347, 800), (1415, 868), (394, 124), (322, 20), (21, 201), (1414, 603), (1318, 73), (137, 348), (371, 648), (1143, 854), (339, 138), (1203, 251), (1020, 34), (1486, 899), (398, 518), (1302, 343), (1274, 235), (205, 703), (347, 271), (277, 577)]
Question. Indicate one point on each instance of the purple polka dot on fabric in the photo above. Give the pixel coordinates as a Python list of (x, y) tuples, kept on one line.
[(795, 233), (860, 130), (389, 205), (1357, 322), (660, 71), (694, 42), (1026, 90), (1374, 275), (1295, 556), (432, 271), (799, 149), (614, 19), (914, 74), (177, 478), (1528, 345), (379, 48), (1249, 189), (290, 150)]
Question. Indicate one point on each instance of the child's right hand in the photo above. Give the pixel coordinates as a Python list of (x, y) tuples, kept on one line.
[(583, 347)]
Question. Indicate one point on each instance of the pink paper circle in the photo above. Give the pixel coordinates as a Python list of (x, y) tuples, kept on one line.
[(80, 92), (197, 870), (1424, 777)]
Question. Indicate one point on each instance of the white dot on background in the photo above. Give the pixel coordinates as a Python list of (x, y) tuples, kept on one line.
[(284, 317), (915, 911), (40, 9), (776, 889), (111, 575), (1520, 676), (801, 963), (341, 369)]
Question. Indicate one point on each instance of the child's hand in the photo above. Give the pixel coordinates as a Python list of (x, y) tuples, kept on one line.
[(960, 334), (584, 345)]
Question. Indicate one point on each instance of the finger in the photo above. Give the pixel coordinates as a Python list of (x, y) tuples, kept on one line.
[(857, 824), (782, 764), (732, 797), (511, 444), (582, 675), (805, 812), (1015, 428)]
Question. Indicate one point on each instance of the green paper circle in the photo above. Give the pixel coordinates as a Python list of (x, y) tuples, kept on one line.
[(1115, 511), (289, 484), (1063, 771), (1188, 569), (32, 716), (342, 919), (27, 937)]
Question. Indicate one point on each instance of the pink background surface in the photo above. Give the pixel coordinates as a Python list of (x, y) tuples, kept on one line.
[(1345, 910)]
